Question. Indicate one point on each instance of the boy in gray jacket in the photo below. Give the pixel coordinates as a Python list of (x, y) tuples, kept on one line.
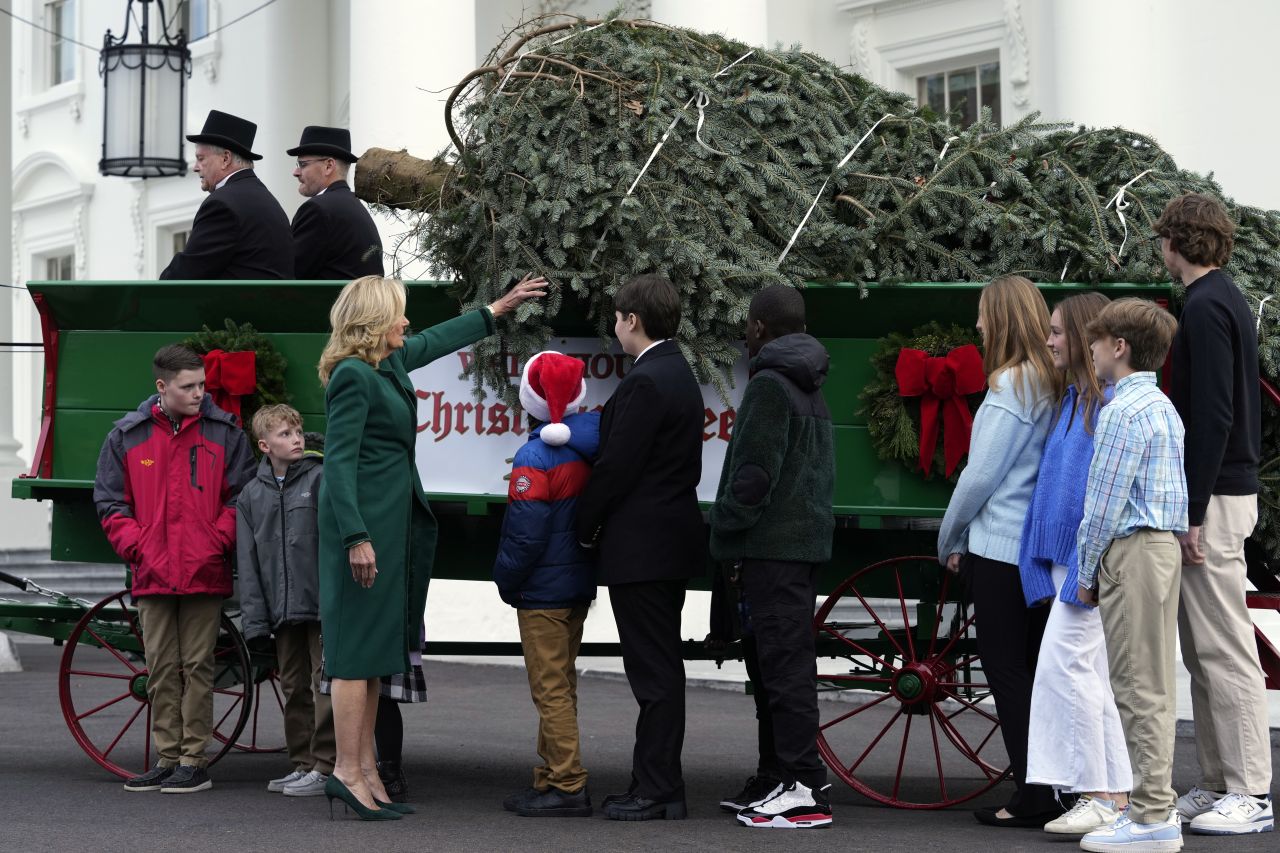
[(276, 545)]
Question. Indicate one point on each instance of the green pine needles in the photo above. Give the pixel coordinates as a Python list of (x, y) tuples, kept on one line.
[(553, 134)]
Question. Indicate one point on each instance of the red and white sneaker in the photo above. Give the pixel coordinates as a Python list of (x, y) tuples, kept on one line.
[(791, 806)]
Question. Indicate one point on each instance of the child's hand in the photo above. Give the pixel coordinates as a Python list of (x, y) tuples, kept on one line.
[(364, 567), (953, 563), (1087, 596)]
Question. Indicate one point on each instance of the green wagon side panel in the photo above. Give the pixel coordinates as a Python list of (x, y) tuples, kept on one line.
[(867, 486)]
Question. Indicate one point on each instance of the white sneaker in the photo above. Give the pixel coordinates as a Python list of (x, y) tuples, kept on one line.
[(1236, 814), (310, 785), (1089, 813), (1196, 802), (275, 786), (793, 806)]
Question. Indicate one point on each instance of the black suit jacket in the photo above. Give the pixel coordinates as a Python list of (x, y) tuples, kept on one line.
[(334, 237), (240, 232), (641, 504)]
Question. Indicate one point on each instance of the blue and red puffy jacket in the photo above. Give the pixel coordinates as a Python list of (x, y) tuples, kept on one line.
[(540, 564), (167, 500)]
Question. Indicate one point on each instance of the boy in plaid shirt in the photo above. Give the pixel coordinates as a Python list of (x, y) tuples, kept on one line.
[(1130, 561)]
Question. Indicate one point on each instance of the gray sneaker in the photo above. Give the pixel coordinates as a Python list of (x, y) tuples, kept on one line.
[(275, 786), (310, 785), (186, 780)]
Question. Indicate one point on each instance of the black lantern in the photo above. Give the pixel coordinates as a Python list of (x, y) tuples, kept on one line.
[(144, 99)]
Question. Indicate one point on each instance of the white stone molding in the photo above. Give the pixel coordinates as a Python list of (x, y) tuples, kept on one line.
[(136, 204), (15, 237), (24, 124), (206, 52), (78, 241), (859, 52), (1016, 61)]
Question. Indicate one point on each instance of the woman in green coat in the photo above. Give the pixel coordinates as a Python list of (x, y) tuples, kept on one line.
[(377, 533)]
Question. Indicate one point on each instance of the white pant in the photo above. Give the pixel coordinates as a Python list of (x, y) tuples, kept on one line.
[(1076, 742)]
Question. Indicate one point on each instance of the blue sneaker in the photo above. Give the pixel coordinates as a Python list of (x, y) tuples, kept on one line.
[(1124, 834)]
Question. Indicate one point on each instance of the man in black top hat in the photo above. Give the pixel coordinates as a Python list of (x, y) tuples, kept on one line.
[(333, 234), (240, 230)]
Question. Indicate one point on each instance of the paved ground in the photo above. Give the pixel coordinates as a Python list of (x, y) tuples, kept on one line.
[(466, 749)]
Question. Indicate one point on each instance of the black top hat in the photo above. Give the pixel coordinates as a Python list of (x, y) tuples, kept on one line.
[(228, 131), (329, 141)]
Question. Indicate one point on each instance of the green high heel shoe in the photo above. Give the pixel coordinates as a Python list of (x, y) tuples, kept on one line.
[(403, 808), (335, 789)]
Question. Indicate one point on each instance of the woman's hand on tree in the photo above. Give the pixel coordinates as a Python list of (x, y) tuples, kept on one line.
[(364, 568), (528, 287)]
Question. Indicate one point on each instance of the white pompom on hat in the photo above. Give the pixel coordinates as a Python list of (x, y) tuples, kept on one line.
[(551, 384)]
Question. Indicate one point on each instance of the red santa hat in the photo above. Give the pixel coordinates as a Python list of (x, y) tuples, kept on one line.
[(551, 384)]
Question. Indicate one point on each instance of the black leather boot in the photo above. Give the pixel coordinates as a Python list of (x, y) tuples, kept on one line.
[(392, 776)]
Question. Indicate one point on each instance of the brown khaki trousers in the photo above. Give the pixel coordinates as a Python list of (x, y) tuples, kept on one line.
[(551, 639), (308, 714), (1228, 695), (1138, 596), (179, 633)]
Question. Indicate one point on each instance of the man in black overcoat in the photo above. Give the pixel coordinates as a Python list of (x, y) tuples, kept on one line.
[(240, 231), (334, 237), (640, 508)]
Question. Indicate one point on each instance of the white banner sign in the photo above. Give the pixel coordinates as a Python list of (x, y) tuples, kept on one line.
[(463, 446)]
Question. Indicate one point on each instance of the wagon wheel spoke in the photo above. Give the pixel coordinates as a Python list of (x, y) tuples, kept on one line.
[(146, 741), (860, 649), (955, 638), (107, 752), (937, 753), (132, 621), (942, 604), (906, 623), (223, 718), (876, 740), (857, 710), (902, 757), (104, 644), (92, 674), (884, 629), (972, 706), (107, 704), (961, 743)]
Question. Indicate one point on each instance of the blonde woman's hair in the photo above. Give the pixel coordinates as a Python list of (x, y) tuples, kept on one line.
[(1015, 323), (360, 318)]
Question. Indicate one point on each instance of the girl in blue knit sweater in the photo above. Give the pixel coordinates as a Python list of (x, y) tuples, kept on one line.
[(1076, 743)]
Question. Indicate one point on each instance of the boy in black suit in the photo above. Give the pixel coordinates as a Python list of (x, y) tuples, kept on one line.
[(640, 508)]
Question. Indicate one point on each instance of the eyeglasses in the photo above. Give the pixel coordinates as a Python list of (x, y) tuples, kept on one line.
[(302, 164)]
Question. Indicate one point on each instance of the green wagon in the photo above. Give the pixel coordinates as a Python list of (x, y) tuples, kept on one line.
[(896, 640)]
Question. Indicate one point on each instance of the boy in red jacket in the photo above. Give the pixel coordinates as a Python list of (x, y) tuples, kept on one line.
[(165, 491)]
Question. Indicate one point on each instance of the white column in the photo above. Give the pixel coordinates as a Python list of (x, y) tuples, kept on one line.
[(22, 523), (744, 20), (432, 47)]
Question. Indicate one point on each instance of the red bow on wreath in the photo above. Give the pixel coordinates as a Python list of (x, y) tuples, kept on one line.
[(942, 382), (228, 376)]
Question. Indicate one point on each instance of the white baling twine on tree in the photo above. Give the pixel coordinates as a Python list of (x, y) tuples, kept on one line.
[(702, 100), (950, 139), (823, 188), (1121, 206), (1257, 329)]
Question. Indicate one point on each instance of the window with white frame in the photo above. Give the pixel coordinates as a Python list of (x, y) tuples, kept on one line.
[(194, 18), (60, 267), (962, 91), (60, 22)]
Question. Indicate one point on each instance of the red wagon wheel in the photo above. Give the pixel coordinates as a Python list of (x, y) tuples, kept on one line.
[(264, 730), (914, 678), (102, 686)]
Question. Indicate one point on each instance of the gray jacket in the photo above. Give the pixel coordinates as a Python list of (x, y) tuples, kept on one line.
[(276, 547)]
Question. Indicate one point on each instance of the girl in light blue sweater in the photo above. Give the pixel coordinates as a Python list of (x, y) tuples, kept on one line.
[(1076, 741), (983, 523)]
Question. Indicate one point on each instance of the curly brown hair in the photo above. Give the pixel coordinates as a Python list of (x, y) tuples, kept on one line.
[(1199, 229)]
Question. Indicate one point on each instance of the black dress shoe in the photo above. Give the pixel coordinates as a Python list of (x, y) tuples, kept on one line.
[(556, 803), (519, 798), (636, 807)]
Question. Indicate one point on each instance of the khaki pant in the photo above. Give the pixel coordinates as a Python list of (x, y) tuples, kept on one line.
[(308, 714), (551, 639), (179, 634), (1138, 596), (1228, 695)]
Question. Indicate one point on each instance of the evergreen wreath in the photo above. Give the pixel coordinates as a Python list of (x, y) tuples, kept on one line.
[(894, 421), (270, 364)]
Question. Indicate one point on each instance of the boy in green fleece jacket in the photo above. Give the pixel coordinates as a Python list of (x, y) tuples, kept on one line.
[(772, 519)]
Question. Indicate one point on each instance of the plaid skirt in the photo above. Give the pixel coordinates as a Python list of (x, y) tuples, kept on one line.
[(406, 687)]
